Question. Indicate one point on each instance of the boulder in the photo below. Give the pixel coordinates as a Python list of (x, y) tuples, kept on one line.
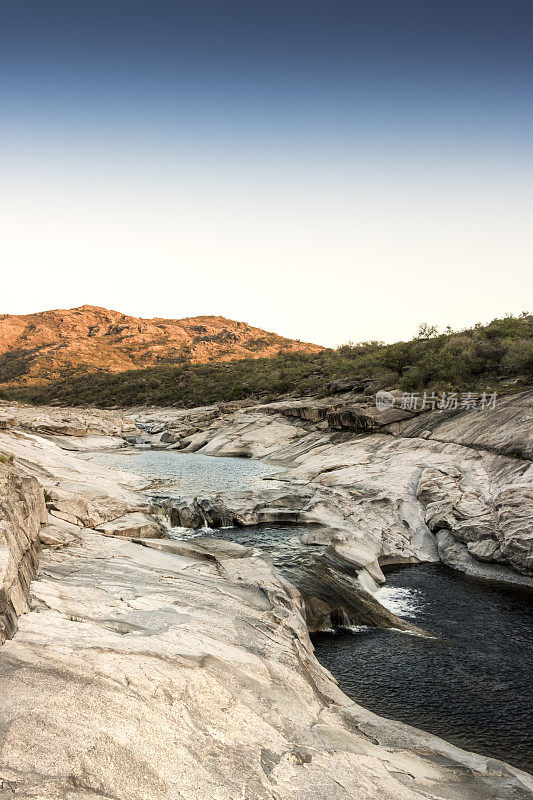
[(6, 423), (311, 410), (364, 419), (169, 437), (484, 549), (215, 513), (184, 513), (341, 385)]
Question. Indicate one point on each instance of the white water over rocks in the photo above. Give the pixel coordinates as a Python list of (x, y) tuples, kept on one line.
[(403, 602)]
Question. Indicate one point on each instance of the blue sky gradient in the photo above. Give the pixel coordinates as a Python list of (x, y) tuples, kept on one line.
[(292, 139)]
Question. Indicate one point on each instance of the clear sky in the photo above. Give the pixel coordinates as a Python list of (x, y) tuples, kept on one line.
[(333, 171)]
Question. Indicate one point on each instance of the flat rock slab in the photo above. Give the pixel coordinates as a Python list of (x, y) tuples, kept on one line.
[(135, 524), (200, 547)]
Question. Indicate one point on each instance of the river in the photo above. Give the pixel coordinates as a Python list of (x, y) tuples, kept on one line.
[(468, 681)]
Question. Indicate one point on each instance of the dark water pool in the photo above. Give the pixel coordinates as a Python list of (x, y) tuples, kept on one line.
[(471, 685), (469, 681)]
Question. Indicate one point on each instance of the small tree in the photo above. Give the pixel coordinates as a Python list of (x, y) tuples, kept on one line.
[(426, 331)]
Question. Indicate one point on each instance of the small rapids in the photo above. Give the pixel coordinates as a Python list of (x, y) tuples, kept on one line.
[(401, 601)]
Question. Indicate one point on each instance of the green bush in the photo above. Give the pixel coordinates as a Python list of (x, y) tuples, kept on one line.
[(469, 360)]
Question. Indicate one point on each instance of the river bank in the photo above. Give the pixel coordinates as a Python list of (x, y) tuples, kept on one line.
[(223, 640), (466, 679)]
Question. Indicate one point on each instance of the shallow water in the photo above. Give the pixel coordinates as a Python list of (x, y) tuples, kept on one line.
[(188, 473), (469, 681)]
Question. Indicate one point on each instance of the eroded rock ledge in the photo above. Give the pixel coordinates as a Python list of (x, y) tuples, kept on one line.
[(22, 511), (182, 670), (175, 671), (185, 670), (397, 479)]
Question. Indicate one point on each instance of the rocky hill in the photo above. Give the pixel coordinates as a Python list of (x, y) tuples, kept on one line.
[(51, 345), (497, 357)]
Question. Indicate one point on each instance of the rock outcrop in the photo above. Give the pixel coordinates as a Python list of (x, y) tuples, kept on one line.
[(506, 430), (336, 574), (396, 486), (373, 478), (73, 429), (77, 493), (497, 528), (22, 511), (131, 525)]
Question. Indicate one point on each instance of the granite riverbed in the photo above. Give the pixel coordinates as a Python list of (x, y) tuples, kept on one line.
[(467, 681)]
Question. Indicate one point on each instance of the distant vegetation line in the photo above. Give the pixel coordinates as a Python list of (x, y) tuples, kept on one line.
[(497, 356)]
